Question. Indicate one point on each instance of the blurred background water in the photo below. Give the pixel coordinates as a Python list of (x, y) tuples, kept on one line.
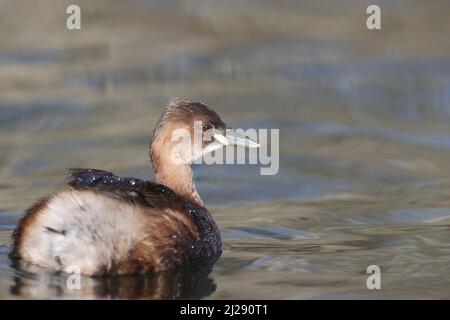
[(364, 126)]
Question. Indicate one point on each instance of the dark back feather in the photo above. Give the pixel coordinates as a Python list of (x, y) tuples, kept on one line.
[(143, 192)]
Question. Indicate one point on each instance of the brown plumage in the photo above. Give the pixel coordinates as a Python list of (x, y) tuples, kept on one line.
[(104, 224)]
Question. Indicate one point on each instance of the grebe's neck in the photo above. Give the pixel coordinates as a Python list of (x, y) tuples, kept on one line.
[(178, 177)]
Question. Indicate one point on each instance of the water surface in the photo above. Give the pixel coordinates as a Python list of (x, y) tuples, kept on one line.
[(364, 126)]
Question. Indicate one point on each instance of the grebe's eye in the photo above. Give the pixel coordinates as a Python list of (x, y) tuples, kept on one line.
[(207, 126)]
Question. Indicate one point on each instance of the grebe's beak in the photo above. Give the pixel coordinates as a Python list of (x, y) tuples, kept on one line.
[(235, 138)]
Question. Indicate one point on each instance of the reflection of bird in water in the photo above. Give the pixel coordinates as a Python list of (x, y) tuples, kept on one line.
[(104, 224), (191, 281)]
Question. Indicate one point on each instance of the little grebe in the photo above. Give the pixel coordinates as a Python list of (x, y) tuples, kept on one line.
[(104, 224)]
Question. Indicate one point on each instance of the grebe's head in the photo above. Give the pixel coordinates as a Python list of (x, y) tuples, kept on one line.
[(188, 130)]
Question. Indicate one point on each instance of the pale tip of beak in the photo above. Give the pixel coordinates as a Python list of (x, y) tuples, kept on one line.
[(253, 144), (222, 139)]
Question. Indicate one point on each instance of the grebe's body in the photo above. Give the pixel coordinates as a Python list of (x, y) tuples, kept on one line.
[(101, 224), (104, 224)]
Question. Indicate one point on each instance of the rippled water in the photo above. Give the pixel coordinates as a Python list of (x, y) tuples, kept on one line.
[(364, 125)]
